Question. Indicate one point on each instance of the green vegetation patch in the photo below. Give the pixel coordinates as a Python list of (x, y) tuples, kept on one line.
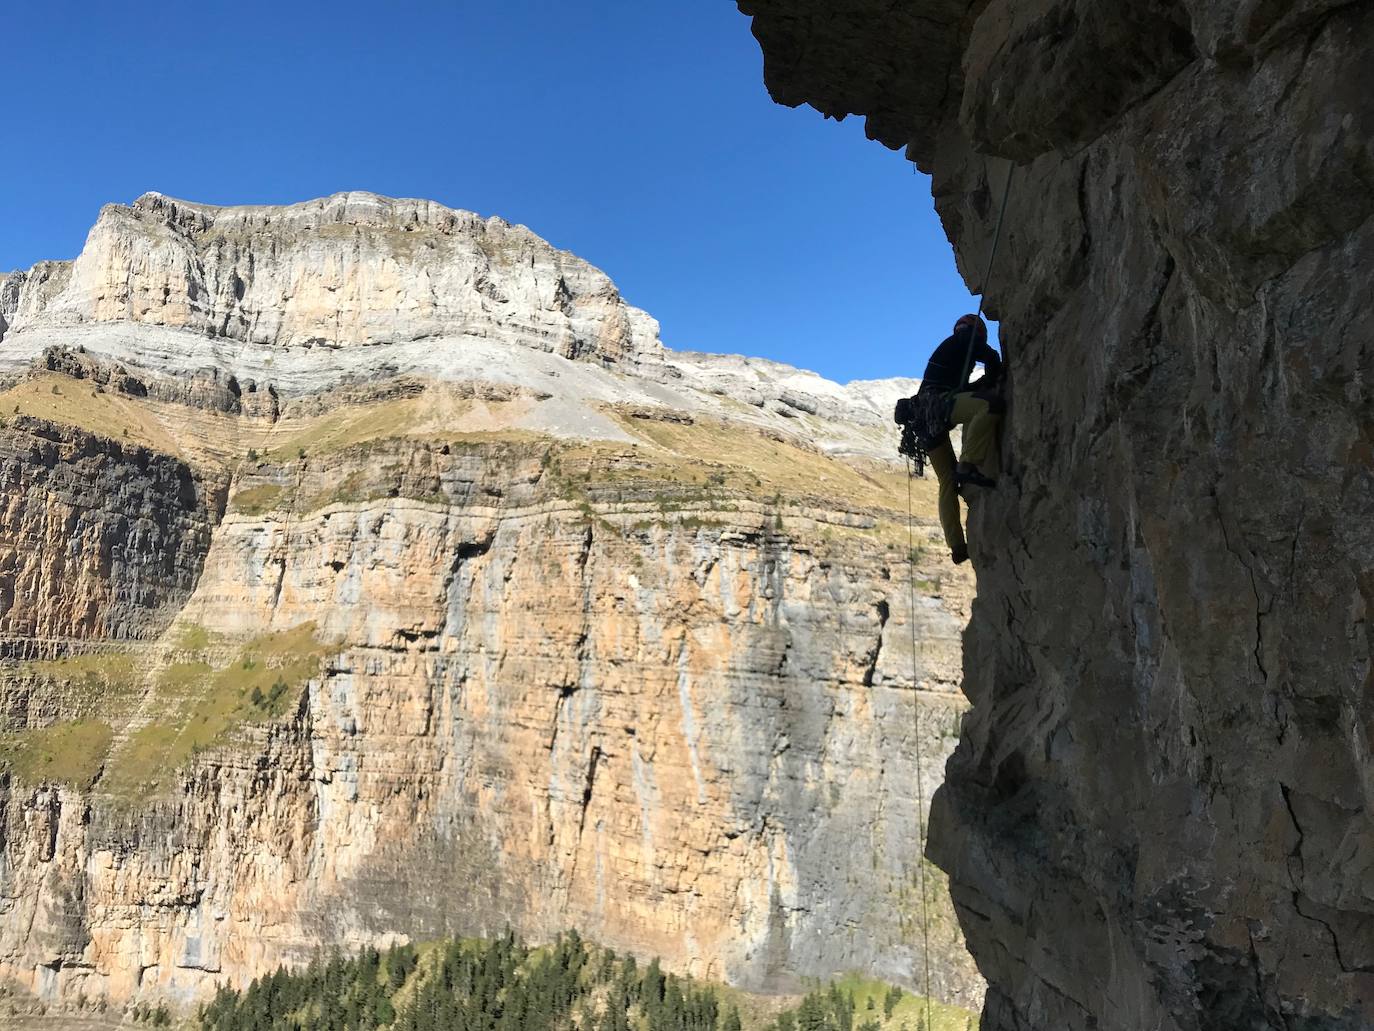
[(889, 1008), (193, 637), (570, 985), (107, 668), (78, 699), (497, 986), (265, 497), (64, 753), (100, 677), (199, 705)]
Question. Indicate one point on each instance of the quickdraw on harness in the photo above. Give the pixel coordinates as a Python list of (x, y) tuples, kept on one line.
[(925, 423)]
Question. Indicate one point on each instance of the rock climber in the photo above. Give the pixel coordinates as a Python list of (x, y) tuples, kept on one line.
[(947, 399)]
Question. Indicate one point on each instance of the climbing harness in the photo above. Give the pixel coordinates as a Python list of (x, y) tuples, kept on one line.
[(916, 418), (925, 424)]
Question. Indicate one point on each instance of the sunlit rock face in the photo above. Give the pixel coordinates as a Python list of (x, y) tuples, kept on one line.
[(370, 570), (352, 270), (1158, 816)]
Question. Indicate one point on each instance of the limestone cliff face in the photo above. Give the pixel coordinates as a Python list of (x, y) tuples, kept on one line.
[(25, 293), (353, 270), (1158, 815), (546, 627)]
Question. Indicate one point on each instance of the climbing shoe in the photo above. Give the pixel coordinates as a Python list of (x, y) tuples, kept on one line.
[(968, 475), (959, 555)]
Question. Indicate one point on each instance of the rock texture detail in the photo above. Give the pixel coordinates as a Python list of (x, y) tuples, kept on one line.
[(97, 541), (1159, 814), (354, 270), (399, 582)]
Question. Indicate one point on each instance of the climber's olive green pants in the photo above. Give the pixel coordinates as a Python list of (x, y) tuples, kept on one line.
[(980, 450), (980, 429)]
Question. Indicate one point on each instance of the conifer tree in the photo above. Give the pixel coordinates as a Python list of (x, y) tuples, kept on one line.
[(890, 1000)]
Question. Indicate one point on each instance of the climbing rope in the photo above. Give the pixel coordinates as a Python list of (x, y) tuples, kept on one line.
[(911, 620), (916, 706), (987, 274)]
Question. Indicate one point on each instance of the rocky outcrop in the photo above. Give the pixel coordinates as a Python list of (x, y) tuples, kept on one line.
[(97, 541), (1159, 814), (248, 310), (24, 294), (209, 388), (674, 734), (79, 365)]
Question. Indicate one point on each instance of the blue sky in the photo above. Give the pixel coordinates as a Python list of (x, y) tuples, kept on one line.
[(637, 135)]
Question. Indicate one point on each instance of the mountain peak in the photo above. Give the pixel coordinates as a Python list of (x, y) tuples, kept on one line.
[(357, 287), (349, 270)]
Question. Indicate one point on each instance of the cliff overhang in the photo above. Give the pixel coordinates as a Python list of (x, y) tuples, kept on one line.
[(1159, 812)]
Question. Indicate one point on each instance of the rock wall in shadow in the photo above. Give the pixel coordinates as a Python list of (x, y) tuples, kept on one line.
[(1159, 812)]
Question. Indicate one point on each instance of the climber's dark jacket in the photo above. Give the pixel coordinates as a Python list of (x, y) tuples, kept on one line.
[(947, 363)]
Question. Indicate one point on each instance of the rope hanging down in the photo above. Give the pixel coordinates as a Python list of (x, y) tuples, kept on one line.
[(920, 775), (987, 274), (911, 620)]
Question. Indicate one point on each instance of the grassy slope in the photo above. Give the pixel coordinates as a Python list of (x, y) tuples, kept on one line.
[(909, 1012), (189, 705), (79, 403), (94, 692), (438, 414), (71, 753), (199, 704), (734, 456)]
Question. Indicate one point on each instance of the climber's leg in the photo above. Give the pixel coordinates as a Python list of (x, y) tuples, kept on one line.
[(942, 461), (980, 427), (980, 424)]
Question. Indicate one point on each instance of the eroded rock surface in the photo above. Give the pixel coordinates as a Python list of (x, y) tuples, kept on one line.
[(1159, 814), (98, 541), (350, 270), (245, 309)]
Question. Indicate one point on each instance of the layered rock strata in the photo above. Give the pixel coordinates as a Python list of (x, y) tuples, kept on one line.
[(352, 270), (245, 307), (486, 611), (1159, 813)]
